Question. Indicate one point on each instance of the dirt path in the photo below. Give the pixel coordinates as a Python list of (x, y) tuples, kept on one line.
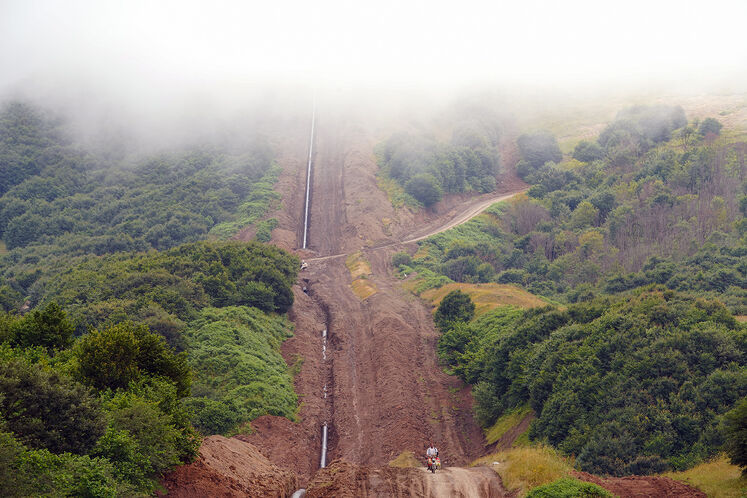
[(343, 479)]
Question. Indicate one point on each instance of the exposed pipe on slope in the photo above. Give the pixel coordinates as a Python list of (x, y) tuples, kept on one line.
[(308, 177)]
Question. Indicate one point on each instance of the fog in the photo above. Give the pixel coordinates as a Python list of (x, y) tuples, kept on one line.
[(160, 61)]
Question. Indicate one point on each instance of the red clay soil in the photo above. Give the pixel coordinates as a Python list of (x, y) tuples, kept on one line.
[(343, 479), (642, 486), (228, 468)]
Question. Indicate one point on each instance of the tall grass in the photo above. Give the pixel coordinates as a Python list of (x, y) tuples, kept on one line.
[(525, 468), (717, 478)]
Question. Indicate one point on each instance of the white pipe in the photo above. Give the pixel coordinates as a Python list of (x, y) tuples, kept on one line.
[(308, 176), (324, 445)]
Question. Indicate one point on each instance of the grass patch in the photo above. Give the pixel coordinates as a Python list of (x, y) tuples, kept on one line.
[(406, 459), (741, 318), (363, 288), (526, 468), (357, 266), (359, 270), (487, 296), (505, 423), (717, 478), (396, 194)]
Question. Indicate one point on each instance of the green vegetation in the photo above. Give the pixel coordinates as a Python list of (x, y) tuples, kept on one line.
[(735, 435), (716, 478), (427, 168), (630, 384), (569, 488), (525, 468), (60, 201), (506, 422), (651, 211), (456, 307), (136, 332)]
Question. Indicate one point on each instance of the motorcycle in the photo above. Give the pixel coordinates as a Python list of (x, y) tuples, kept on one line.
[(433, 464)]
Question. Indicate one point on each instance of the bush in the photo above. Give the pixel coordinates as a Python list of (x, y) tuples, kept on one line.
[(124, 353), (588, 151), (424, 188), (214, 417), (455, 307), (539, 148), (709, 126), (569, 488), (48, 410), (401, 258), (734, 428)]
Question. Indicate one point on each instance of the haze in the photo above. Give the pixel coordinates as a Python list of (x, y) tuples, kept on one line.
[(153, 55)]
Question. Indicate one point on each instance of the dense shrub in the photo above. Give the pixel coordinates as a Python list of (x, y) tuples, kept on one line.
[(46, 409), (569, 488), (632, 384)]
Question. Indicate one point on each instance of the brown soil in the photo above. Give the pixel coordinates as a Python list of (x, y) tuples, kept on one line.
[(343, 479), (640, 487), (229, 467)]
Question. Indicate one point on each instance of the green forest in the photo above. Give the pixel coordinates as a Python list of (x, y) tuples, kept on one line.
[(427, 168), (146, 330), (640, 240)]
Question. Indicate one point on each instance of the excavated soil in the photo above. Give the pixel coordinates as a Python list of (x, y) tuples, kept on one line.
[(343, 479), (229, 468), (640, 486)]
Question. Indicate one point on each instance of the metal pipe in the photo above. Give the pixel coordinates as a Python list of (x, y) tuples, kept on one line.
[(324, 446), (308, 176)]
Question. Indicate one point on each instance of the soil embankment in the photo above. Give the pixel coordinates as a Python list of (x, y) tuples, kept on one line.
[(229, 468)]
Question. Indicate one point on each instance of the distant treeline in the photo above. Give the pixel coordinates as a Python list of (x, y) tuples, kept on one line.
[(427, 168), (59, 199), (674, 214)]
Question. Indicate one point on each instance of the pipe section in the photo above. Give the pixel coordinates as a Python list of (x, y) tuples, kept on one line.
[(308, 177), (324, 446)]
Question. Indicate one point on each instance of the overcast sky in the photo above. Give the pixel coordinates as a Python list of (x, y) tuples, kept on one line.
[(157, 48)]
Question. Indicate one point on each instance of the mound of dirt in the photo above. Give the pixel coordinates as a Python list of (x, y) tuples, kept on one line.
[(229, 467), (343, 479), (642, 486)]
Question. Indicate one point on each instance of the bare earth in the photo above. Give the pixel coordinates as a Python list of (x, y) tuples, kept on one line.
[(385, 392)]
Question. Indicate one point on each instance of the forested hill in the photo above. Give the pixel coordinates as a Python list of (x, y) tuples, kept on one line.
[(653, 200), (640, 241), (142, 330), (59, 200)]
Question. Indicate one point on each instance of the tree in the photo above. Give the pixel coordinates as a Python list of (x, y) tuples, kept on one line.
[(734, 427), (48, 327), (424, 188), (709, 126), (455, 307), (124, 353), (588, 151), (48, 410), (539, 148)]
